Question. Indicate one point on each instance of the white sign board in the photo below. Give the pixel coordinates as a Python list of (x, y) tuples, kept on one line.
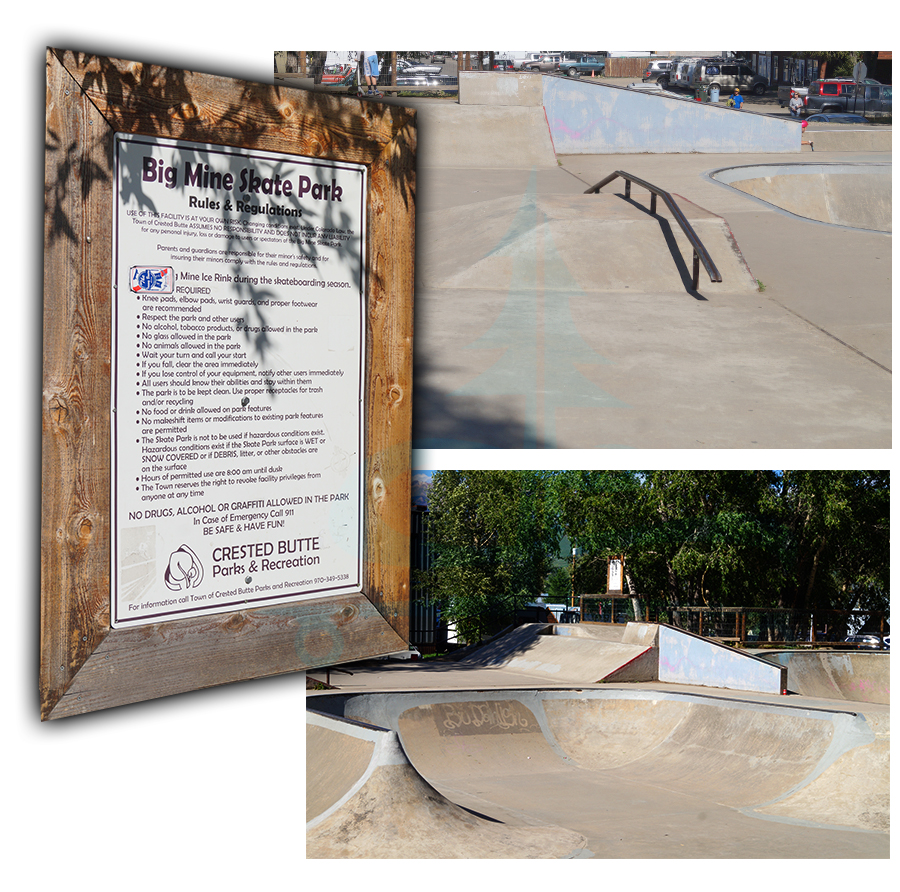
[(238, 371), (614, 578)]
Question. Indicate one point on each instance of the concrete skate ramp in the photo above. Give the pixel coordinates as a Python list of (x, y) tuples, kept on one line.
[(855, 195), (513, 137), (596, 118), (646, 773), (364, 799), (535, 650), (837, 675), (592, 243), (634, 651)]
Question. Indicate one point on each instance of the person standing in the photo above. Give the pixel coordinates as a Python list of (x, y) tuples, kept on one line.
[(796, 103), (370, 70), (736, 99)]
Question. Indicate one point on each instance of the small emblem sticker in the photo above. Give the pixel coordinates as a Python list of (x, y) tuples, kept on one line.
[(156, 279)]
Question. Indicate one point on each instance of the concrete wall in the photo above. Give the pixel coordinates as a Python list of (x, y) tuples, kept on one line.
[(452, 135), (874, 139), (591, 118), (500, 88), (689, 659)]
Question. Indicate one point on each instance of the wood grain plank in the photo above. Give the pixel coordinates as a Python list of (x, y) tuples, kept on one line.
[(160, 660), (76, 385), (135, 97), (84, 664), (391, 286)]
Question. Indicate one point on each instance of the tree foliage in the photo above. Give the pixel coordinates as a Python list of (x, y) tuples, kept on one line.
[(804, 540), (493, 539), (797, 539)]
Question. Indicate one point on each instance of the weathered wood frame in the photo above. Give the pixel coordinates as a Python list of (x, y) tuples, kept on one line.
[(84, 664)]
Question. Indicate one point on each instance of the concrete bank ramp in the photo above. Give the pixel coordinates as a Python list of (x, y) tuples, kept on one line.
[(591, 243), (635, 651), (568, 654), (364, 799), (637, 773), (855, 195), (836, 675)]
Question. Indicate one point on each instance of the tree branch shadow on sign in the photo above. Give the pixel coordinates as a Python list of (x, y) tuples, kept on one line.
[(135, 98)]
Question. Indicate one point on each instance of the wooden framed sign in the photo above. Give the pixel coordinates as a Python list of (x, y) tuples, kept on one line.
[(227, 379), (615, 573)]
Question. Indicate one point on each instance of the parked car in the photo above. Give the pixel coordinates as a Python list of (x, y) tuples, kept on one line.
[(582, 65), (837, 118), (656, 90), (406, 67), (680, 75), (545, 62), (658, 70), (839, 94), (445, 82), (334, 74), (876, 99), (504, 65), (728, 74), (864, 642)]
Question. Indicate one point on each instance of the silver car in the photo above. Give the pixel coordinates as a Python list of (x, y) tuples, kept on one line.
[(727, 74)]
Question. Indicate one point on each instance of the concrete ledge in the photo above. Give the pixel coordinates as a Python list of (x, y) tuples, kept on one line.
[(500, 88), (685, 658), (874, 139)]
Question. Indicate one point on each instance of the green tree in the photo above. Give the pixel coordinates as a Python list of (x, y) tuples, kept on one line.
[(688, 537), (838, 542), (559, 585), (493, 538), (797, 539), (841, 62)]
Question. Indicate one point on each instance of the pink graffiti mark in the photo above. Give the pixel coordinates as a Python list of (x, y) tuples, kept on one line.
[(866, 685), (560, 126)]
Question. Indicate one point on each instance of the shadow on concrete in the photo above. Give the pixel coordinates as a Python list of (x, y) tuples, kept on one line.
[(687, 278), (442, 421), (509, 643)]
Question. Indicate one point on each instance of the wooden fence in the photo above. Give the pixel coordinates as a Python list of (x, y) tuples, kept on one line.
[(744, 626)]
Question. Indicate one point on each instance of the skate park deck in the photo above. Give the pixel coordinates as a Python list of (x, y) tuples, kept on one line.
[(512, 353), (542, 323)]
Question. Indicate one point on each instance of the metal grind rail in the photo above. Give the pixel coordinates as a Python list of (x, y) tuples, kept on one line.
[(700, 252)]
